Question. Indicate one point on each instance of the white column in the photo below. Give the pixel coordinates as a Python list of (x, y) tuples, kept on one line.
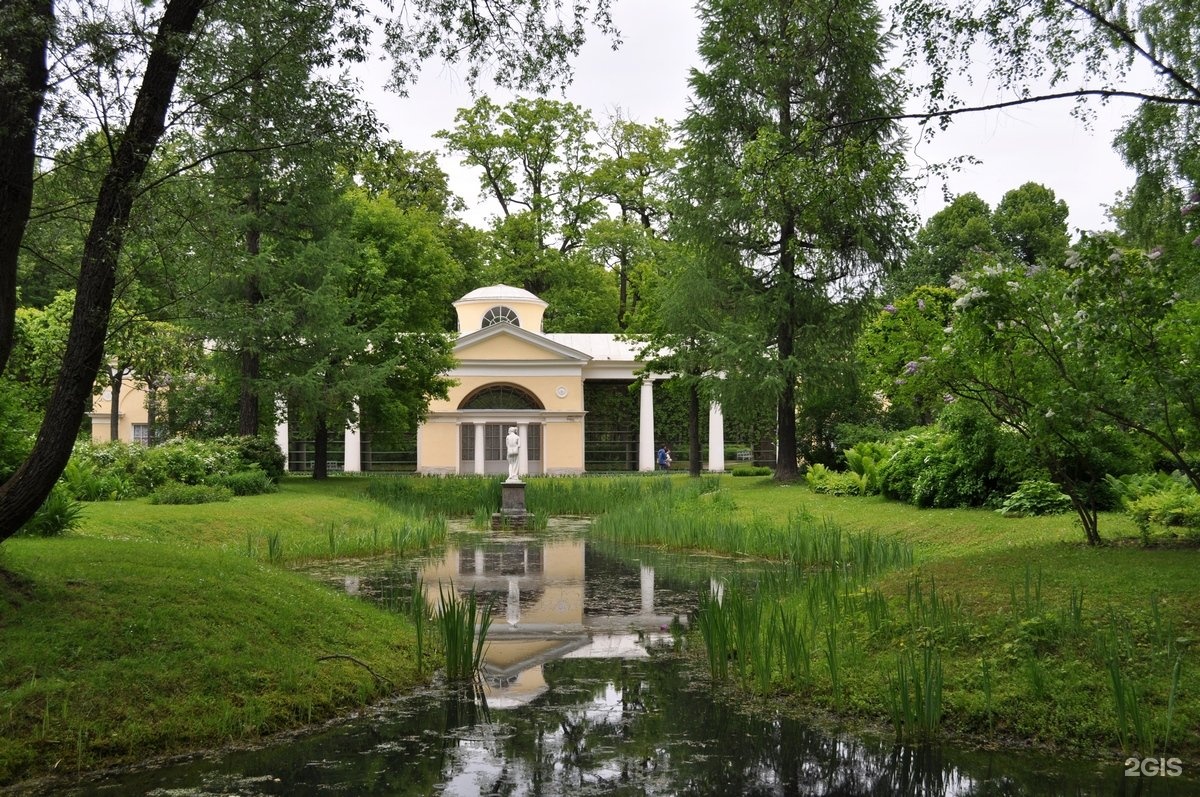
[(281, 429), (647, 590), (352, 440), (716, 438), (523, 451), (479, 460), (646, 427)]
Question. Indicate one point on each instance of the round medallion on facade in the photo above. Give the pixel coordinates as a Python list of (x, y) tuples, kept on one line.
[(560, 391)]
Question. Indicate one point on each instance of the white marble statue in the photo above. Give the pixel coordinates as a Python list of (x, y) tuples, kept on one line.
[(513, 441)]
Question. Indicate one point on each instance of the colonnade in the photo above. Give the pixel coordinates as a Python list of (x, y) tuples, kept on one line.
[(647, 442)]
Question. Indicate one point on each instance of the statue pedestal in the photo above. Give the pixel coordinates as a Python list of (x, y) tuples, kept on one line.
[(512, 514)]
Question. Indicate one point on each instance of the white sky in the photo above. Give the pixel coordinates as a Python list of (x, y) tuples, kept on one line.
[(647, 79)]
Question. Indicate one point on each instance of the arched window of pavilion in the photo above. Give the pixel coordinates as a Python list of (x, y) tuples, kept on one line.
[(501, 315), (501, 397)]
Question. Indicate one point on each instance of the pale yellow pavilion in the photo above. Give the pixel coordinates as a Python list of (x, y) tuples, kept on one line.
[(512, 374)]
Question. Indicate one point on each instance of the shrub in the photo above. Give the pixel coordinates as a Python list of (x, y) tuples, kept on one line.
[(1035, 497), (1159, 499), (251, 481), (57, 515), (751, 470), (87, 482), (185, 461), (865, 461), (966, 459), (260, 451), (1133, 486), (823, 480), (175, 493)]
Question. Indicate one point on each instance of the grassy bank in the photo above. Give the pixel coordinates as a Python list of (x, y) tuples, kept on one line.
[(997, 629), (151, 631)]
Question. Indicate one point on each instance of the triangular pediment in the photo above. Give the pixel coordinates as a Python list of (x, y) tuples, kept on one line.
[(508, 343)]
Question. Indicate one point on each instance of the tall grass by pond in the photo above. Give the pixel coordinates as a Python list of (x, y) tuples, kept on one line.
[(802, 541), (464, 623), (468, 496), (838, 639), (400, 535)]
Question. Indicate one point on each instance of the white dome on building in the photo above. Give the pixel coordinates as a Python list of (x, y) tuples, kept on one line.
[(485, 306), (501, 293)]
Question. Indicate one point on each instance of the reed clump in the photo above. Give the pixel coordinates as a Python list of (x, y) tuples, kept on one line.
[(400, 534), (463, 623)]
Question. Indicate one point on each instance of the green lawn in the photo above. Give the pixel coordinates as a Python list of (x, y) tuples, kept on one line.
[(150, 631)]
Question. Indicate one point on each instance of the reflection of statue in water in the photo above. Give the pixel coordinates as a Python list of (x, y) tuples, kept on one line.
[(513, 441)]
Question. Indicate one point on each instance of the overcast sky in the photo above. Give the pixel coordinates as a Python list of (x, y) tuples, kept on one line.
[(647, 79)]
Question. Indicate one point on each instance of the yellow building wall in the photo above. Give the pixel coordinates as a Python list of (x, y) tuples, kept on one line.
[(505, 347), (437, 447), (132, 409), (562, 447), (544, 387), (470, 316)]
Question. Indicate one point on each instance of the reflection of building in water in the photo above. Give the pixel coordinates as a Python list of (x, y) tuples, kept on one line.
[(538, 593)]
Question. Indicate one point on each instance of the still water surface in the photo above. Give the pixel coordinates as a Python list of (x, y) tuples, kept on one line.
[(583, 694)]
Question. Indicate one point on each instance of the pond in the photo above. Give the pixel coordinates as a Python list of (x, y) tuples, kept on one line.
[(584, 694)]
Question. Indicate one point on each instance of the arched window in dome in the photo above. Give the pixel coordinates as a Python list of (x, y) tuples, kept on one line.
[(501, 397), (501, 315)]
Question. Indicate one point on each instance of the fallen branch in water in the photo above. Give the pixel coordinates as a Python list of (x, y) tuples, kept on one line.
[(360, 663)]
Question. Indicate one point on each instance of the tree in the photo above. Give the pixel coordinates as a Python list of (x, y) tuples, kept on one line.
[(366, 320), (1065, 358), (807, 206), (163, 355), (1032, 223), (1135, 316), (945, 245), (1076, 49), (681, 305), (631, 172), (24, 491), (25, 30), (522, 35), (281, 155), (41, 336)]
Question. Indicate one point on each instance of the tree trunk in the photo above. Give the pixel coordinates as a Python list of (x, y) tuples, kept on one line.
[(321, 448), (26, 489), (694, 430), (786, 466), (1085, 508), (151, 414), (248, 394), (251, 363), (23, 53), (114, 410), (622, 289), (1088, 517)]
